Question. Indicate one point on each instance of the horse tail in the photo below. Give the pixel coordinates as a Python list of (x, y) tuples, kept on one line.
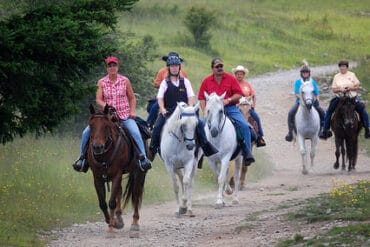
[(134, 188)]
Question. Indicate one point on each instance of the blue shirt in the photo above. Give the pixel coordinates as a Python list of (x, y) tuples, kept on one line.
[(297, 87)]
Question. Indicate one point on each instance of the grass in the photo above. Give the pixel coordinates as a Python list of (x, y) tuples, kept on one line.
[(349, 203)]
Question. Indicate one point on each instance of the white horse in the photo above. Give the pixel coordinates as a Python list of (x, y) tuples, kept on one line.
[(178, 152), (307, 122), (221, 133)]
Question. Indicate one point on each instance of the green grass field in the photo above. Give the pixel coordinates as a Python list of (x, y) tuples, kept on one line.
[(38, 188)]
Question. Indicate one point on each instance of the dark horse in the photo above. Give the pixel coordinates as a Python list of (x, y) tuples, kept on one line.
[(110, 155), (346, 126)]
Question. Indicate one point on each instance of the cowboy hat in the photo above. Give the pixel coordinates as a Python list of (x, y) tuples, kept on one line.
[(164, 58), (240, 68)]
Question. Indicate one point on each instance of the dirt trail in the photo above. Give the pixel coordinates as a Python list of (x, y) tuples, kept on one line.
[(258, 220)]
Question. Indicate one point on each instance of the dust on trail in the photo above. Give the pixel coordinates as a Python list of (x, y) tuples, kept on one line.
[(257, 220)]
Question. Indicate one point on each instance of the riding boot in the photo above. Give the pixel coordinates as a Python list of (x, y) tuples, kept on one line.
[(156, 136), (325, 133), (81, 165), (143, 163), (247, 154), (209, 149), (367, 133), (291, 126)]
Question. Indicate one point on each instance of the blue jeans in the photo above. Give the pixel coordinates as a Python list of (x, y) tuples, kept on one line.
[(129, 124), (153, 114), (234, 113), (256, 118)]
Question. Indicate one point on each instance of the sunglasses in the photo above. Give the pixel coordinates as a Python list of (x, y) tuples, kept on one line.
[(220, 66)]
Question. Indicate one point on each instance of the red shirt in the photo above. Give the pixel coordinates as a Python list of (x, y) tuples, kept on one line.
[(228, 84)]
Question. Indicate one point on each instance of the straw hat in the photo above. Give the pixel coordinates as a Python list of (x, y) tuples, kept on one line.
[(240, 68)]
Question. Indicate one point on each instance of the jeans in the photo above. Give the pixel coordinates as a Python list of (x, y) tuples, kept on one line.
[(153, 114), (129, 124), (360, 108), (234, 113), (256, 118)]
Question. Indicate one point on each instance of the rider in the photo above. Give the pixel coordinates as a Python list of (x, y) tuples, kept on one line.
[(116, 91), (175, 88), (305, 77), (345, 82), (161, 75), (240, 72), (220, 82)]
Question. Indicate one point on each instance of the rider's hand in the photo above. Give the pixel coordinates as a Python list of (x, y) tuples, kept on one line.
[(163, 111)]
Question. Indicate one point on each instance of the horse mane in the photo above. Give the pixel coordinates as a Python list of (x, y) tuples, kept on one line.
[(172, 123)]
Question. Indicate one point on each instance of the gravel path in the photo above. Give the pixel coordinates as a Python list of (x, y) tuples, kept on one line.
[(258, 220)]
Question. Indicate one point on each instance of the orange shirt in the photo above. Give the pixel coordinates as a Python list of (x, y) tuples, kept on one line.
[(247, 89), (163, 73)]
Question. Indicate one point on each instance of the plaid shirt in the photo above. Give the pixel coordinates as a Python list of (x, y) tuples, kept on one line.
[(115, 95)]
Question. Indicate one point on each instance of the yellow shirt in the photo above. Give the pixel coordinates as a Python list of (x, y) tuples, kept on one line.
[(348, 79)]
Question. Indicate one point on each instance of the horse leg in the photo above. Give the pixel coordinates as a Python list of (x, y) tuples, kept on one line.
[(243, 175), (238, 166), (118, 211), (302, 149), (116, 188), (343, 151), (100, 191), (182, 204), (337, 152), (313, 149), (221, 183), (188, 185)]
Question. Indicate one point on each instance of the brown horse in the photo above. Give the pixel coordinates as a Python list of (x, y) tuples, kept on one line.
[(244, 107), (110, 155), (346, 126)]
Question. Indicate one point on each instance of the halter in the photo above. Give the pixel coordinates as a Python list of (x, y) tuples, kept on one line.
[(182, 131)]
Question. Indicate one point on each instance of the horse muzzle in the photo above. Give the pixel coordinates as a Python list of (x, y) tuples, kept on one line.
[(98, 149), (214, 132)]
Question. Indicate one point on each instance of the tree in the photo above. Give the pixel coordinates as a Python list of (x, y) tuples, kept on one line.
[(198, 21), (47, 55)]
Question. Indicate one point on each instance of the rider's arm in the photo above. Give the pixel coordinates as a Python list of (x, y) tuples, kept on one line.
[(99, 95)]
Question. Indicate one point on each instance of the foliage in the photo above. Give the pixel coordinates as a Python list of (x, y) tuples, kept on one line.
[(345, 203), (198, 21), (47, 55)]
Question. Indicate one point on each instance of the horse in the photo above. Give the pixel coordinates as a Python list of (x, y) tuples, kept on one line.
[(245, 104), (221, 133), (110, 155), (307, 124), (179, 153), (346, 126)]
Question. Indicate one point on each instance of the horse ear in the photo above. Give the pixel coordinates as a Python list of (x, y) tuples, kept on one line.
[(206, 95), (196, 107), (223, 96), (106, 109), (92, 109)]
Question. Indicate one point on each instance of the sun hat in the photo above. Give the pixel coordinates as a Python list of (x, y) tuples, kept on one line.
[(172, 53), (240, 68), (111, 59), (216, 61)]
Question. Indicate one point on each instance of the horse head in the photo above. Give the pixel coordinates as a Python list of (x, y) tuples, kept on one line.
[(346, 111), (215, 113), (245, 104), (307, 95), (183, 123), (102, 130)]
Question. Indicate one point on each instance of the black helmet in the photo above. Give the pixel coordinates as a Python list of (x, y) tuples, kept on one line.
[(172, 53), (173, 60)]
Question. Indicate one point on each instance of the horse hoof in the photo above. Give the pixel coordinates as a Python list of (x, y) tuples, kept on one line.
[(229, 191), (119, 225), (235, 202), (190, 213), (304, 172), (336, 166), (134, 231), (182, 210), (219, 205)]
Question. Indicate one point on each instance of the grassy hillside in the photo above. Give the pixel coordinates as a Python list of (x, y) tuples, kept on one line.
[(263, 35)]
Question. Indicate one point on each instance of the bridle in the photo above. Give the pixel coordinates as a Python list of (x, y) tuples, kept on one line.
[(184, 138)]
